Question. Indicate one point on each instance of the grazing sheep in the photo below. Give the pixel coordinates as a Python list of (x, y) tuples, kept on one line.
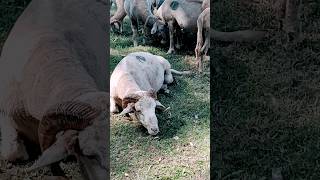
[(53, 89), (134, 84), (116, 21), (203, 34), (181, 16), (140, 12)]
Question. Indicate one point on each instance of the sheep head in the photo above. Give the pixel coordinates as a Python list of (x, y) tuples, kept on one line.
[(160, 30), (75, 128), (143, 105)]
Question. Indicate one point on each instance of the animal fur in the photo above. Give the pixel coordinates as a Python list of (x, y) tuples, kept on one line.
[(52, 73)]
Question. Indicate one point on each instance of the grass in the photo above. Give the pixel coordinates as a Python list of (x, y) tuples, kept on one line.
[(265, 97), (181, 150), (9, 12)]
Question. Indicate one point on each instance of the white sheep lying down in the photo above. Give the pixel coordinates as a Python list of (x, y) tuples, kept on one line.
[(134, 84)]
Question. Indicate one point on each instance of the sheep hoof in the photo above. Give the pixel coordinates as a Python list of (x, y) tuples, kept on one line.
[(178, 46), (171, 51), (144, 42)]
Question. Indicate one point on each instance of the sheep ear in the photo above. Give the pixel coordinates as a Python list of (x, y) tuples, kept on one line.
[(128, 109), (160, 106), (130, 98)]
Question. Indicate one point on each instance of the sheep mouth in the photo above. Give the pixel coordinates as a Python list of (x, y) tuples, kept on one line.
[(153, 132)]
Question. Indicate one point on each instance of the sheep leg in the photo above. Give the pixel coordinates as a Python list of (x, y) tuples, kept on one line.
[(113, 106), (171, 35), (143, 37), (206, 45), (168, 78), (179, 38), (12, 147), (199, 45), (134, 27), (204, 50), (121, 27)]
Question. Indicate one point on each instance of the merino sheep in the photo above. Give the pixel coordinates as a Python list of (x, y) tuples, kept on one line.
[(134, 84), (53, 88)]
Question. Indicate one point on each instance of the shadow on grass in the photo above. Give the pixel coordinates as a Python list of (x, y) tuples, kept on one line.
[(264, 107), (9, 12)]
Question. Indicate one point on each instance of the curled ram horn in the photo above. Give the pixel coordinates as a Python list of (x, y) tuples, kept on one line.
[(64, 116)]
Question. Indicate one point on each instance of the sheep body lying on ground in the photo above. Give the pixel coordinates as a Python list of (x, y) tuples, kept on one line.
[(134, 84)]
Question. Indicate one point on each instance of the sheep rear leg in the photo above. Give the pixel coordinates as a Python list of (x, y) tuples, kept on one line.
[(179, 38), (204, 51), (199, 45), (206, 45), (144, 37), (12, 146), (134, 27)]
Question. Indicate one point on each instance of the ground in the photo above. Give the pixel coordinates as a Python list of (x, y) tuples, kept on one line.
[(181, 150), (265, 96)]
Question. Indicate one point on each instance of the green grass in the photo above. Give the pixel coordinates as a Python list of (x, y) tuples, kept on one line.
[(265, 98), (140, 156), (9, 12)]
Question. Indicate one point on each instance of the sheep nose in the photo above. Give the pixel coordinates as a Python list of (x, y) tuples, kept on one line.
[(155, 130)]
